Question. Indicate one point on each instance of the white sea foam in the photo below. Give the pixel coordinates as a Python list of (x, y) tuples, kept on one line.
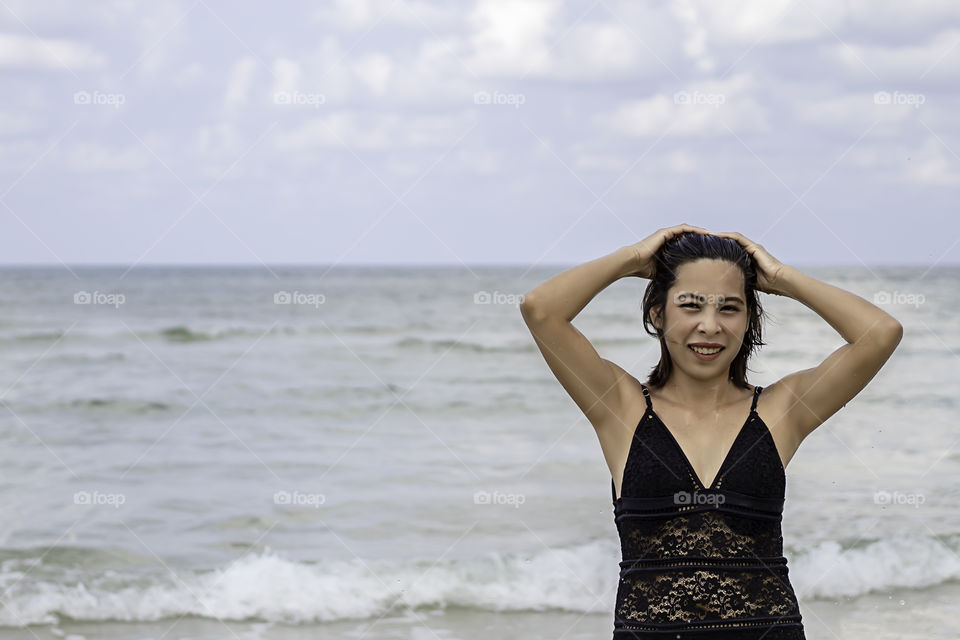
[(269, 587)]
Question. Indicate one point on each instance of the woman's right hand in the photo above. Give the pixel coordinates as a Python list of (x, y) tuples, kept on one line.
[(644, 250)]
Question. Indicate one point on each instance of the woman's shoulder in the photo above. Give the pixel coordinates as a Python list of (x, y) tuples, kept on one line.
[(773, 407)]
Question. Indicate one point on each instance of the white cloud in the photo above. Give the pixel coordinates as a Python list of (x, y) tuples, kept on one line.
[(707, 108), (511, 38), (852, 113), (745, 22), (375, 70), (189, 75), (695, 40), (239, 82), (218, 141), (31, 52), (940, 57), (888, 21), (287, 74), (17, 156), (933, 165), (599, 161), (479, 161), (161, 32), (598, 50), (861, 35), (674, 162), (594, 77), (528, 39), (681, 161), (373, 131), (322, 69), (91, 157), (14, 124), (350, 14), (356, 15)]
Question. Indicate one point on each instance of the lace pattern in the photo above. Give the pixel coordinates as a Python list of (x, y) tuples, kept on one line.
[(702, 533), (692, 594)]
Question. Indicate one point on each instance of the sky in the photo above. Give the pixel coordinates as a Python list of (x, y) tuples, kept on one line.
[(475, 132)]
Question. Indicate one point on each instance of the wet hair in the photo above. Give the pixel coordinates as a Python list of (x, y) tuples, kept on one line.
[(688, 247)]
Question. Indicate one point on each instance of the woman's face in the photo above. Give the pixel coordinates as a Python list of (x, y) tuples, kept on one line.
[(706, 304)]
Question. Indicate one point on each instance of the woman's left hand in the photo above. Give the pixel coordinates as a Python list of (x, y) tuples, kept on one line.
[(769, 269)]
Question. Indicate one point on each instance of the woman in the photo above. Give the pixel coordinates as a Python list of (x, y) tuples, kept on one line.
[(697, 462)]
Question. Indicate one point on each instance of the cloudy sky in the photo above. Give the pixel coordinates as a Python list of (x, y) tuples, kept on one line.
[(472, 132)]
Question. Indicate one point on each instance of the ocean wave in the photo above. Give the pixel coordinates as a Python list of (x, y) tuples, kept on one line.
[(267, 586), (461, 345), (186, 334), (833, 569), (176, 333), (118, 405)]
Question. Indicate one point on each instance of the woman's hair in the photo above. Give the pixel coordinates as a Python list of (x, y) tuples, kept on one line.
[(678, 251)]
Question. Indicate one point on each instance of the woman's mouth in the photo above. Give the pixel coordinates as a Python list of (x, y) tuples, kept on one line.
[(706, 353)]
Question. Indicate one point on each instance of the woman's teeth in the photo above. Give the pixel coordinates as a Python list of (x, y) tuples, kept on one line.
[(705, 351)]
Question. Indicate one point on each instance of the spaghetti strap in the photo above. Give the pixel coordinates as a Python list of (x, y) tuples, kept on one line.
[(613, 484), (646, 394)]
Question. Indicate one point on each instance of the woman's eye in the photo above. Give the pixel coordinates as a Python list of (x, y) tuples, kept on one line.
[(694, 304)]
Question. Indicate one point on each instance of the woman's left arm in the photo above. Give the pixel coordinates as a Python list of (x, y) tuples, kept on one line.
[(872, 335), (853, 317)]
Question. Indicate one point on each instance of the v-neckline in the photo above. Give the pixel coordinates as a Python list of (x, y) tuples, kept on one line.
[(686, 460)]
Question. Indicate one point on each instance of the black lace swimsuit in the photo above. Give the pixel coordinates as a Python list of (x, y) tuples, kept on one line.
[(703, 562)]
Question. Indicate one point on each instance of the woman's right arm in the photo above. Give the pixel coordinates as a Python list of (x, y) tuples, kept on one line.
[(593, 382)]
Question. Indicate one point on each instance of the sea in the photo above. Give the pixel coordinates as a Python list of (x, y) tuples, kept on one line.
[(380, 451)]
